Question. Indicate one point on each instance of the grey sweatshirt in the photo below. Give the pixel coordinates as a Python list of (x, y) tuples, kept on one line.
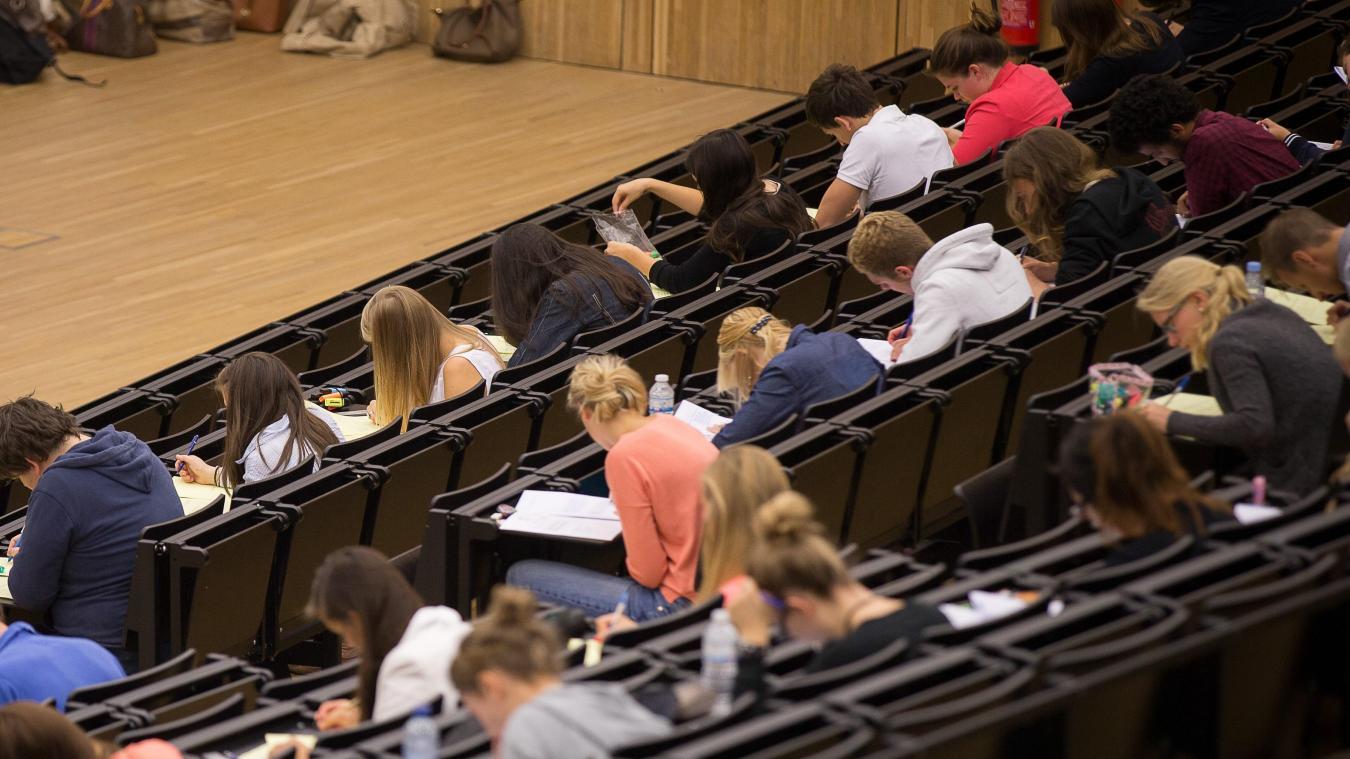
[(579, 721), (1278, 385)]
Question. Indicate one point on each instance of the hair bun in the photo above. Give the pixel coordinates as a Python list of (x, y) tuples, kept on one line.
[(787, 517), (511, 606), (984, 21)]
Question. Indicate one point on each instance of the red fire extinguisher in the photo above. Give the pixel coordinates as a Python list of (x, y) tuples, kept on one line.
[(1021, 23)]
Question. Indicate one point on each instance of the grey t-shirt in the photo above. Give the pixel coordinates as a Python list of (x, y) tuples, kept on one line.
[(579, 721)]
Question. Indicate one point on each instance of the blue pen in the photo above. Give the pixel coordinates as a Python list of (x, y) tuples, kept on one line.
[(191, 445), (1178, 389), (904, 329)]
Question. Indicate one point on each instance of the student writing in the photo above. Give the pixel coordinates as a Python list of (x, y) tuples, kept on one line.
[(1307, 252)]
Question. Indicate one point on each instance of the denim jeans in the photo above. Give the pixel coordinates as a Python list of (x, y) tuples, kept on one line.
[(592, 592)]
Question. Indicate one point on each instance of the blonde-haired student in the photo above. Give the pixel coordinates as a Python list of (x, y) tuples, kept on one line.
[(1275, 380), (652, 468), (509, 675), (420, 355), (774, 370)]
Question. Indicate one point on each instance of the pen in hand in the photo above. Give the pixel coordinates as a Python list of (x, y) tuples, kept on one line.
[(191, 445)]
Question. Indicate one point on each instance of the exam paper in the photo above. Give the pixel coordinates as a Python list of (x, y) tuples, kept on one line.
[(880, 350), (1250, 513), (1190, 403), (701, 418), (567, 515)]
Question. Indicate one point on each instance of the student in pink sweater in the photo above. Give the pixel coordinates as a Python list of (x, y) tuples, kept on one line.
[(653, 470), (1006, 99)]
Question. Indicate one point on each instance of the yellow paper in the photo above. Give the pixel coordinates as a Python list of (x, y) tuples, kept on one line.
[(504, 349), (196, 496), (1191, 403), (658, 292), (355, 426), (811, 212), (1312, 311), (5, 564)]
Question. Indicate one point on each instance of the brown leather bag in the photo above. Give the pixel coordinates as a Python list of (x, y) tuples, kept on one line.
[(489, 33), (261, 15)]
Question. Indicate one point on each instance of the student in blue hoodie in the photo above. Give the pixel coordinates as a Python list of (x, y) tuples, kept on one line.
[(775, 370), (91, 498), (37, 667)]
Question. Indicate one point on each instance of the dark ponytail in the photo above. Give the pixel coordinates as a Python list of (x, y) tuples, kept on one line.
[(961, 47)]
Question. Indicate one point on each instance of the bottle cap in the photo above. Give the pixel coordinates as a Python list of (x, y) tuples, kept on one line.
[(422, 711), (721, 615), (1253, 266), (663, 378)]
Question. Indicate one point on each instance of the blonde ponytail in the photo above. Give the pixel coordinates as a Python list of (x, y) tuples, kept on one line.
[(734, 486), (749, 337), (792, 555), (1183, 277), (605, 385)]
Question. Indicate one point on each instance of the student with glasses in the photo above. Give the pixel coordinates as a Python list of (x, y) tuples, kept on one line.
[(1275, 380), (798, 585)]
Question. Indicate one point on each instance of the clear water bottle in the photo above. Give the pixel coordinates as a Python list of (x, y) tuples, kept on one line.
[(1255, 284), (661, 398), (719, 660), (421, 737)]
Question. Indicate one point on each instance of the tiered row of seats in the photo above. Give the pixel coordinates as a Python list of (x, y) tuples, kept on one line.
[(952, 454)]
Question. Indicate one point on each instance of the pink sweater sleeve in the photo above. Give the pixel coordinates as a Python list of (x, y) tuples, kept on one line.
[(630, 489), (984, 130)]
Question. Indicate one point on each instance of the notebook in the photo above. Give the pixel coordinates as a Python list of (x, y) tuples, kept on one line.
[(1190, 403), (504, 349), (564, 515), (196, 496)]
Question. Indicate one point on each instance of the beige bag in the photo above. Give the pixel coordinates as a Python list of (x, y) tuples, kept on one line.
[(489, 33), (350, 28), (193, 20)]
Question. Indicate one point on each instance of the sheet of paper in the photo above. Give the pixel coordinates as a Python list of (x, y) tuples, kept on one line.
[(5, 563), (995, 605), (659, 292), (961, 616), (812, 212), (1311, 310), (1190, 403), (355, 425), (272, 740), (1181, 221), (1250, 513), (504, 349), (1323, 146), (603, 530), (1340, 71), (701, 418), (556, 504), (196, 496), (880, 350)]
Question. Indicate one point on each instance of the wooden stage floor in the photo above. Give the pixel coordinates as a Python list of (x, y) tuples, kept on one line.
[(211, 189)]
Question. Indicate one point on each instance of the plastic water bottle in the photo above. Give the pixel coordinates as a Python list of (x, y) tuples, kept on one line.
[(421, 737), (661, 398), (1255, 284), (719, 660)]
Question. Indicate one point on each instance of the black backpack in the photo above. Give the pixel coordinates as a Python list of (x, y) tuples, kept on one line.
[(23, 51)]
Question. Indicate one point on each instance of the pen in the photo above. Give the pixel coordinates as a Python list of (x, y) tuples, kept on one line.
[(1178, 389), (904, 329), (191, 445)]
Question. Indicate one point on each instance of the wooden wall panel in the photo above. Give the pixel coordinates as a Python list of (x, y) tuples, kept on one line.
[(769, 44), (921, 21), (638, 24), (588, 32)]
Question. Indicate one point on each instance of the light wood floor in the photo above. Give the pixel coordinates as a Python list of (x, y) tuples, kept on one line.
[(211, 189)]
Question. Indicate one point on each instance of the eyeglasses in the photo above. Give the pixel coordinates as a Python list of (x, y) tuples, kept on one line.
[(1168, 328)]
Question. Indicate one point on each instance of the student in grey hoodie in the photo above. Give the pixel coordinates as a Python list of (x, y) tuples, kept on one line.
[(91, 498), (508, 673), (962, 281)]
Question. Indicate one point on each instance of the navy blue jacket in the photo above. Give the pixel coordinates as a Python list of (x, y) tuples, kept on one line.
[(38, 667), (79, 540), (560, 317), (813, 368)]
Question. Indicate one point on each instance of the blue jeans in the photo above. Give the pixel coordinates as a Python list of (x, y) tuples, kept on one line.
[(594, 593)]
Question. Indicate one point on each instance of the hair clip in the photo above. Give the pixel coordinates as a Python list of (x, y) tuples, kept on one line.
[(760, 324)]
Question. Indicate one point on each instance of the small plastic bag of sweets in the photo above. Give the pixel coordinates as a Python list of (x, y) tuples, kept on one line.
[(623, 227), (1118, 386)]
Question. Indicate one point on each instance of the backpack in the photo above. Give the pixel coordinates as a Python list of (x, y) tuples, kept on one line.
[(23, 45)]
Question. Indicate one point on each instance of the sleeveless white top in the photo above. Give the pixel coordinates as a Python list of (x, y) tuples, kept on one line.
[(487, 364)]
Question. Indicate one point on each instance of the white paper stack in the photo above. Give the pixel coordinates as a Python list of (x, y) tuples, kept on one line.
[(564, 515), (700, 418), (1250, 513), (880, 350), (981, 607)]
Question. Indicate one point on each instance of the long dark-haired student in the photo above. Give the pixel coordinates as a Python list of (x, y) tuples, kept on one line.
[(546, 291), (92, 496), (1275, 380), (747, 216), (1076, 213), (799, 584), (269, 428), (1122, 473), (1108, 47), (406, 647), (773, 370)]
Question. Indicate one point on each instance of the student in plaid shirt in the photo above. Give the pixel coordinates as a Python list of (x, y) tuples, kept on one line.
[(1225, 155)]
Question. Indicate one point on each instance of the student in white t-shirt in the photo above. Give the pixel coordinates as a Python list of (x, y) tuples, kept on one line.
[(887, 151)]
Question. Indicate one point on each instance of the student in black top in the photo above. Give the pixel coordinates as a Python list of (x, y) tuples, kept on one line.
[(546, 291), (1302, 148), (1212, 23), (1122, 474), (798, 584), (1108, 47), (747, 216), (1077, 214)]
